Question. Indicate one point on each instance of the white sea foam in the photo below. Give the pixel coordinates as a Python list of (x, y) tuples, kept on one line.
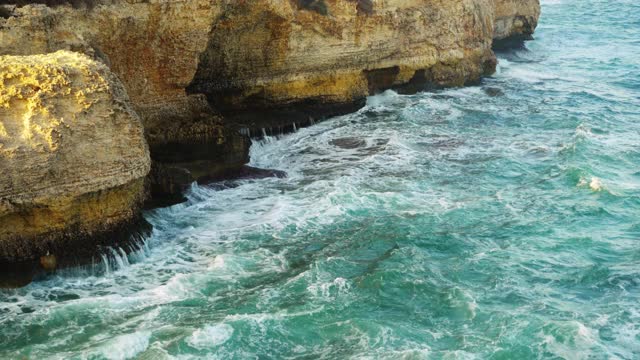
[(125, 346), (594, 183), (529, 75), (330, 290), (210, 336), (383, 99), (583, 131), (571, 340)]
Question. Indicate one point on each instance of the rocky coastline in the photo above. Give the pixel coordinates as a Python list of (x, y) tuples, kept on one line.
[(108, 105)]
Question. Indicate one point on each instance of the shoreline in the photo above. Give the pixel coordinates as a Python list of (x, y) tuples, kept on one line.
[(198, 87)]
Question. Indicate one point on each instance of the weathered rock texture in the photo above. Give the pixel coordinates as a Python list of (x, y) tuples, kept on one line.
[(516, 18), (263, 63), (72, 155), (295, 59), (287, 60), (154, 47)]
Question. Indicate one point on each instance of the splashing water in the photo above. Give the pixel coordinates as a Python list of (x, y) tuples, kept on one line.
[(499, 221)]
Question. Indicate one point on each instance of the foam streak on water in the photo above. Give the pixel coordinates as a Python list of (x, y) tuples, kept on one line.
[(499, 221)]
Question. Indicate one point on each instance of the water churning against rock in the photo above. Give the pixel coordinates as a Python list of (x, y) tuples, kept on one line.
[(498, 221)]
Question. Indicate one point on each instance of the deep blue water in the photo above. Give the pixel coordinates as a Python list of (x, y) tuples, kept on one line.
[(500, 221)]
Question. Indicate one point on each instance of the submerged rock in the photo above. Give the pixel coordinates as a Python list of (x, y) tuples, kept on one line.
[(493, 91), (348, 143), (72, 155), (247, 173), (231, 179)]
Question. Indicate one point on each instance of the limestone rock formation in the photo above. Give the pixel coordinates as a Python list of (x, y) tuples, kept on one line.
[(516, 18), (286, 60), (73, 156), (291, 57), (283, 58), (154, 47), (298, 59)]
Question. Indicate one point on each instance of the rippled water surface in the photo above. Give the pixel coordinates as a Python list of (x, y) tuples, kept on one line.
[(500, 221)]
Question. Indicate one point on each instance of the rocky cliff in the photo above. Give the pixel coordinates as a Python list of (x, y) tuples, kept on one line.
[(153, 46), (204, 74), (72, 155), (515, 19), (298, 59), (290, 59)]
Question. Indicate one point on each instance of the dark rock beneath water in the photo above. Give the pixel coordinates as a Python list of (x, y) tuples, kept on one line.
[(230, 180), (348, 143), (493, 92), (173, 181), (245, 173), (516, 42)]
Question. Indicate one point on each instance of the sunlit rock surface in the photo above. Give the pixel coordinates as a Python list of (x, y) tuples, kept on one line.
[(154, 49), (72, 155)]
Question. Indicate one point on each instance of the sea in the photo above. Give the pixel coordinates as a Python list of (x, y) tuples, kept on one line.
[(496, 221)]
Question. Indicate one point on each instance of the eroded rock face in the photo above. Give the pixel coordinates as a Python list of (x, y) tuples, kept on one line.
[(298, 59), (262, 63), (516, 18), (285, 60), (73, 156), (154, 48)]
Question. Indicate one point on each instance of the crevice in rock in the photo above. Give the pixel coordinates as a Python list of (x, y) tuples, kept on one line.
[(318, 6), (511, 42)]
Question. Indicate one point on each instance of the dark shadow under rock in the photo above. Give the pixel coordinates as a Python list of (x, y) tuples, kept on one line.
[(364, 7), (77, 251), (167, 185), (511, 43), (244, 173), (257, 119), (314, 5)]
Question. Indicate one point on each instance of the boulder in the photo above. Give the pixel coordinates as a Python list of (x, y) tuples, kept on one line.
[(72, 154)]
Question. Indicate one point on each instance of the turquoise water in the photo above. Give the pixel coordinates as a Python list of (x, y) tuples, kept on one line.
[(492, 222)]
